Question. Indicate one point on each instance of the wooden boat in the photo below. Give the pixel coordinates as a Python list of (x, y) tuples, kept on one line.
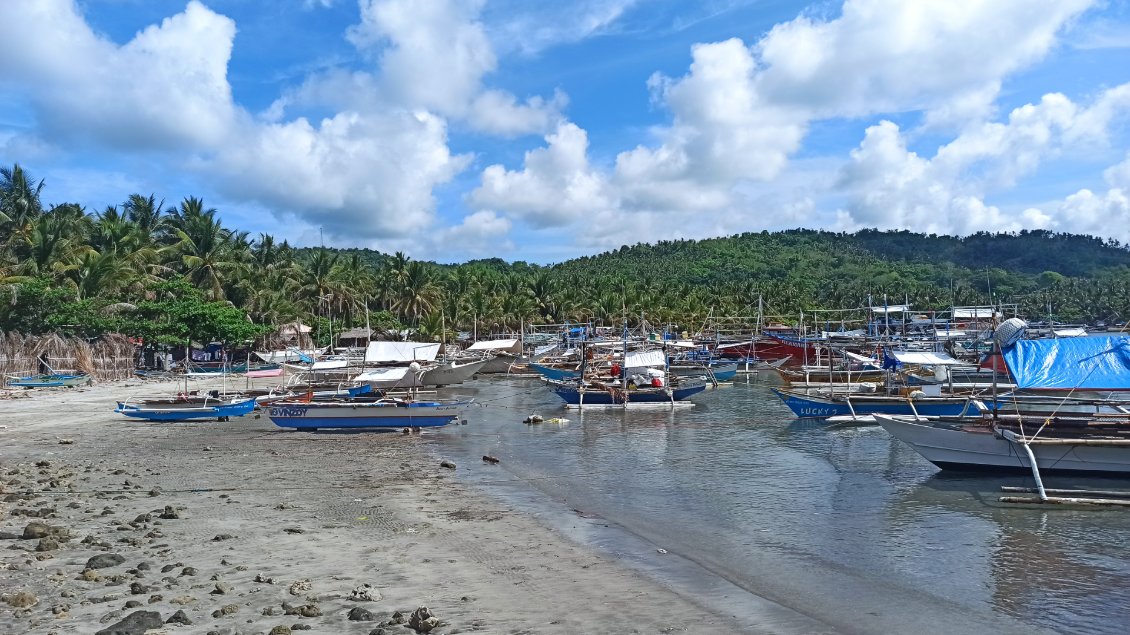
[(1079, 445), (221, 409), (353, 414), (264, 370), (593, 393), (451, 372), (50, 380), (808, 405)]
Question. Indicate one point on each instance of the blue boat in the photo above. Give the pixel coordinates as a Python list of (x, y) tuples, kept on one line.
[(810, 406), (556, 374), (600, 394), (172, 411), (355, 414), (49, 380)]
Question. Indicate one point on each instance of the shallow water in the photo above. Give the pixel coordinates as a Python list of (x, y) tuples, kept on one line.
[(846, 526)]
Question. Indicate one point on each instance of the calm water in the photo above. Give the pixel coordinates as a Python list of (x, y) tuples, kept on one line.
[(846, 526)]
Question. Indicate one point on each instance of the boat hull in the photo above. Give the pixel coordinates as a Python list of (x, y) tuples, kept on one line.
[(186, 412), (955, 449), (593, 396), (346, 415), (556, 374), (49, 381), (816, 407), (451, 373)]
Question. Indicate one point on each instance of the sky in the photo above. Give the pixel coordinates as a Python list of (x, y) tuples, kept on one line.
[(541, 131)]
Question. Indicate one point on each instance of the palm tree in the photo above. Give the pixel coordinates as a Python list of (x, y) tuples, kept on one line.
[(204, 249), (419, 293)]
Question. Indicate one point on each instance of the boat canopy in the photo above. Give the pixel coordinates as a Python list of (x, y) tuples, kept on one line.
[(383, 352), (383, 374), (924, 358), (1078, 363), (974, 313), (504, 346), (894, 308), (640, 359), (1070, 332)]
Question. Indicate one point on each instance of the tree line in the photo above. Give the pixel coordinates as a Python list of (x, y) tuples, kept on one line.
[(167, 273)]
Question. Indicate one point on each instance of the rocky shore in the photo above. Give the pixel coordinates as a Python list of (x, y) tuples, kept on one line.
[(115, 526)]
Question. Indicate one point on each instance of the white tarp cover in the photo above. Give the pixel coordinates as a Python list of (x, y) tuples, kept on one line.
[(380, 352), (383, 374), (952, 333), (507, 346), (974, 312), (1071, 332), (640, 359), (859, 358), (894, 308), (924, 358)]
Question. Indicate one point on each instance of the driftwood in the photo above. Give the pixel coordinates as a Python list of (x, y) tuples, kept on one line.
[(110, 357)]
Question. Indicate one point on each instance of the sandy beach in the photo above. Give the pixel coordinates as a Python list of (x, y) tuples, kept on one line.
[(240, 527)]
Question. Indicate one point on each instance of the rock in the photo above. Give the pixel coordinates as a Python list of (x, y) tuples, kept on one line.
[(489, 459), (272, 610), (448, 464), (21, 600), (365, 593), (397, 618), (133, 604), (143, 518), (280, 630), (169, 513), (259, 577), (221, 588), (37, 529), (155, 598), (422, 620), (358, 614), (47, 544), (167, 568), (310, 610), (90, 575), (182, 600), (188, 571), (66, 441), (533, 419), (222, 537), (377, 631), (294, 530), (227, 609), (104, 560), (300, 627), (138, 588), (300, 587), (135, 623), (144, 566), (7, 535), (180, 617)]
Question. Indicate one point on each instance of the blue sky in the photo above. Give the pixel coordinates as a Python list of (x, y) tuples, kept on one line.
[(539, 131)]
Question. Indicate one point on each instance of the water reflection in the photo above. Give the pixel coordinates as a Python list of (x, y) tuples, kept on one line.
[(845, 520)]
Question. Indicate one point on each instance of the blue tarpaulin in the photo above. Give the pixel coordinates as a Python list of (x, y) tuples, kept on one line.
[(1079, 363)]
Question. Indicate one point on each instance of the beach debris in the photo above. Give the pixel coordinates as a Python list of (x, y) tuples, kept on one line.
[(365, 593), (533, 419), (448, 464), (422, 620), (104, 560), (489, 459), (135, 623), (301, 586), (222, 537), (661, 551), (272, 610), (180, 617), (66, 441), (20, 600), (169, 513), (259, 577), (557, 420), (358, 614), (90, 575), (294, 530), (225, 610)]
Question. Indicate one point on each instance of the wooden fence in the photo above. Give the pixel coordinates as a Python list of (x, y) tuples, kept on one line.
[(108, 358)]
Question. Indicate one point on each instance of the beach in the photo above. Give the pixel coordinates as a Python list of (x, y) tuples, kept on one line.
[(240, 527)]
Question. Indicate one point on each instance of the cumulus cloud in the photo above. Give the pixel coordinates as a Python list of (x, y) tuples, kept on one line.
[(483, 233), (892, 187), (165, 88), (557, 185), (531, 27)]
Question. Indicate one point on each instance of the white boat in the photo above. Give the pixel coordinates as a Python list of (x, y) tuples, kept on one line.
[(975, 446), (506, 354), (452, 372)]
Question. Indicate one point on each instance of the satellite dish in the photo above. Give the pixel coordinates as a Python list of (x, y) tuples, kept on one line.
[(1009, 332)]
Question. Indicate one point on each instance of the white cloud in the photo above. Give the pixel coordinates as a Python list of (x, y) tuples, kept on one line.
[(359, 176), (165, 88), (531, 27), (497, 112), (892, 187), (483, 233), (557, 185)]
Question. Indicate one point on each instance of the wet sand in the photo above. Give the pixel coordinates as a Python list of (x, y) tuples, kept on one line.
[(245, 528)]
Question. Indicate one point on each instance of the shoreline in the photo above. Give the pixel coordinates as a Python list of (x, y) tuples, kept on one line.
[(257, 503)]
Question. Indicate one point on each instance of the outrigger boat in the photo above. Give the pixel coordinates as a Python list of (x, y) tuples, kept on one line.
[(383, 412), (49, 380), (173, 410)]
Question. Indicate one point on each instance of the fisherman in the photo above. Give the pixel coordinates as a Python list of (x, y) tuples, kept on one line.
[(44, 364)]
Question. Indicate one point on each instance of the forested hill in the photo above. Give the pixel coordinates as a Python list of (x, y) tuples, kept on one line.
[(866, 255)]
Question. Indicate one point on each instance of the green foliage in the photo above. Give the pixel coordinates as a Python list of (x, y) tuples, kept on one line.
[(180, 313)]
